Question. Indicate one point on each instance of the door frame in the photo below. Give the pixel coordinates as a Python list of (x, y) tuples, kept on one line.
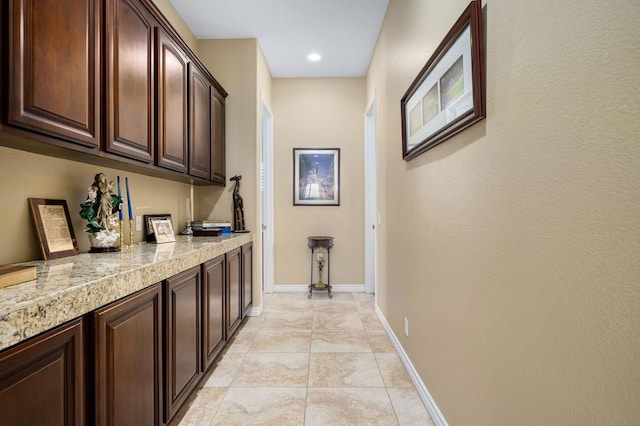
[(267, 191), (370, 196)]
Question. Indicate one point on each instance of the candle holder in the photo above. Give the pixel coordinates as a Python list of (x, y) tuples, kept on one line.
[(131, 243), (187, 230), (121, 229)]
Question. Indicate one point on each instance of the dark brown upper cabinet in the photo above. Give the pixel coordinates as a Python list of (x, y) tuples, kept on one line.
[(172, 103), (200, 135), (130, 80), (217, 135), (109, 82), (54, 68)]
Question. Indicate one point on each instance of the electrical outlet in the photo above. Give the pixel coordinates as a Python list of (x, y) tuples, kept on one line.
[(406, 327), (138, 223)]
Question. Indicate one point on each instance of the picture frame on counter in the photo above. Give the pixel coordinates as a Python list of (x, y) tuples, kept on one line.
[(54, 228), (148, 218), (448, 95), (163, 230)]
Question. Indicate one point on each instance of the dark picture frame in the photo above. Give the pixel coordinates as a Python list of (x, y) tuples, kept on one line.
[(316, 176), (148, 218), (448, 95), (54, 228)]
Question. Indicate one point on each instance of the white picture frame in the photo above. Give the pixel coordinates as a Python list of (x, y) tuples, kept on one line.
[(163, 231)]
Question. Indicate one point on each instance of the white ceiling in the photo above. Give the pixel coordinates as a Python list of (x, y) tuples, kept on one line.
[(344, 32)]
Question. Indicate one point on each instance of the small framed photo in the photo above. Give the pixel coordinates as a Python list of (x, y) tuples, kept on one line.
[(148, 218), (54, 229), (316, 177), (448, 95), (163, 231)]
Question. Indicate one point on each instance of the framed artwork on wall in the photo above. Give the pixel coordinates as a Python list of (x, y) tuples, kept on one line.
[(316, 177), (447, 96), (54, 229)]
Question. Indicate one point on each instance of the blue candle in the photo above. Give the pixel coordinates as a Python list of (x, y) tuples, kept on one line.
[(126, 183), (120, 196)]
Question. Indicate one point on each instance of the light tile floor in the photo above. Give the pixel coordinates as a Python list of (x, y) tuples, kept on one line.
[(308, 362)]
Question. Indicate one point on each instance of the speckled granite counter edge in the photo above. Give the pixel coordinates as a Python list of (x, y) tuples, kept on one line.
[(20, 321)]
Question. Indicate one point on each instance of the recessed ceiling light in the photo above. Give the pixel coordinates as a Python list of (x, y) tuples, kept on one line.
[(314, 57)]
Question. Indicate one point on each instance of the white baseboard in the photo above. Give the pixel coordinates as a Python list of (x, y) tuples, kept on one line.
[(427, 400), (255, 311), (336, 288)]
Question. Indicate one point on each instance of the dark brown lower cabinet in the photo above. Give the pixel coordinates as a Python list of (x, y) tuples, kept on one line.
[(150, 349), (128, 360), (234, 291), (213, 334), (247, 278), (42, 380), (183, 318)]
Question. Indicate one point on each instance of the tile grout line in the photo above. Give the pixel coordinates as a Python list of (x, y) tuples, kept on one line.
[(259, 328)]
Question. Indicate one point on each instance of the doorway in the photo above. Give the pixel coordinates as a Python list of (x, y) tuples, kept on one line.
[(370, 197), (266, 187)]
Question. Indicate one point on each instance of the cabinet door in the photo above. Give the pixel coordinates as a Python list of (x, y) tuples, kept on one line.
[(247, 278), (54, 68), (42, 380), (172, 71), (200, 135), (128, 360), (218, 159), (183, 350), (213, 310), (129, 80), (234, 292)]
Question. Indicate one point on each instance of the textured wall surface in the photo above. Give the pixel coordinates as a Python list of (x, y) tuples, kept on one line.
[(319, 113), (240, 67), (178, 23), (512, 248), (233, 63), (24, 175)]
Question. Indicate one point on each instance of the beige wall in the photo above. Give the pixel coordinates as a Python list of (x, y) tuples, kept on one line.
[(513, 247), (233, 63), (25, 175), (319, 113), (177, 22), (240, 67)]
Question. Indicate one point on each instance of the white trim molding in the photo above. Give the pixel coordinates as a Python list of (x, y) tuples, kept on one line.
[(427, 400), (255, 311), (335, 288)]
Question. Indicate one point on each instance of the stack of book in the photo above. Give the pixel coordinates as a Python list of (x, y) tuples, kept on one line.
[(16, 274), (203, 228)]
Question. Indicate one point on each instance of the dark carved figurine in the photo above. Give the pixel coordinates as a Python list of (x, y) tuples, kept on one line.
[(238, 208)]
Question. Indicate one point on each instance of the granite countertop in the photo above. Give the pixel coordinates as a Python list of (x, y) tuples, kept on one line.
[(72, 286)]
